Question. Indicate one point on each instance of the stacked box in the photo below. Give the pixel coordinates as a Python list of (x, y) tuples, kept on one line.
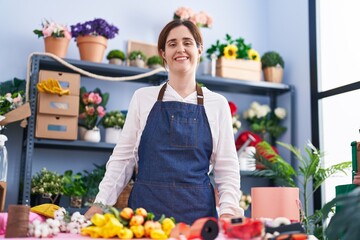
[(57, 116), (238, 69)]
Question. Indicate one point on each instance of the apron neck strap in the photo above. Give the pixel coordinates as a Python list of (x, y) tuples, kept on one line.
[(200, 95)]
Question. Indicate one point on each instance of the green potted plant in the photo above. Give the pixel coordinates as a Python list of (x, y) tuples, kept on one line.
[(74, 187), (272, 64), (154, 62), (137, 58), (310, 169), (113, 122), (46, 187), (116, 57)]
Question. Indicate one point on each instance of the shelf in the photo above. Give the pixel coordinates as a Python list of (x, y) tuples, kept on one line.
[(73, 145), (213, 83)]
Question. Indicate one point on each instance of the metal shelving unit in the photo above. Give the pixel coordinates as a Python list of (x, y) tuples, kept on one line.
[(41, 62)]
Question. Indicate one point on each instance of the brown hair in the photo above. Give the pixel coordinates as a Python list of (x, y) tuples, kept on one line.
[(194, 30)]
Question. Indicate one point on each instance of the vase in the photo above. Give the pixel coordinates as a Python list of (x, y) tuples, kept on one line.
[(82, 131), (91, 48), (137, 63), (115, 61), (56, 46), (112, 135), (92, 135), (273, 74)]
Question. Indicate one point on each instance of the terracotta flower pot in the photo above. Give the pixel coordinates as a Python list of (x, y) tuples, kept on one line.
[(273, 74), (56, 46), (92, 48)]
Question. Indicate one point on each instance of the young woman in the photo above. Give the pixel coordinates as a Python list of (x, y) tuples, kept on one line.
[(174, 135)]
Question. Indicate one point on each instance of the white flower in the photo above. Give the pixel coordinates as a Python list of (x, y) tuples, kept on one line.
[(255, 106), (280, 112), (263, 110)]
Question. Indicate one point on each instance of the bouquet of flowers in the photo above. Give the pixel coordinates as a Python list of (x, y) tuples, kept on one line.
[(262, 120), (92, 106), (233, 49), (96, 27), (52, 29), (235, 117), (201, 19)]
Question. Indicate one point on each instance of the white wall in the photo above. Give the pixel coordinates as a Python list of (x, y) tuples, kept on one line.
[(279, 25)]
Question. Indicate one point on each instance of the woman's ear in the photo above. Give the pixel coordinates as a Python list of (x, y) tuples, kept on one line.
[(162, 54)]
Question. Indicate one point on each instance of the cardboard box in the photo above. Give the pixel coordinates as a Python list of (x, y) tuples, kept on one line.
[(69, 81), (58, 105), (148, 49), (238, 69), (17, 114), (56, 127)]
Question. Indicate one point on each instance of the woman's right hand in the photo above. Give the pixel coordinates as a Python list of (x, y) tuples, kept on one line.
[(92, 210)]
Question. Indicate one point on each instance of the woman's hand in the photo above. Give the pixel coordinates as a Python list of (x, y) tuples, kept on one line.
[(92, 210)]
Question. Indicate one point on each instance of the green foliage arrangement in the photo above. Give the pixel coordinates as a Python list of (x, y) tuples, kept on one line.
[(137, 55), (153, 60), (92, 179), (12, 95), (310, 168), (345, 223), (116, 54), (47, 183), (218, 48), (272, 59), (74, 184), (114, 119)]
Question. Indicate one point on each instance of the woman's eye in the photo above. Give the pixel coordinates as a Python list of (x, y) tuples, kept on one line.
[(172, 44), (188, 43)]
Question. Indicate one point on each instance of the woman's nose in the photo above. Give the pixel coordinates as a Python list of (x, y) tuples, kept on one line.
[(180, 48)]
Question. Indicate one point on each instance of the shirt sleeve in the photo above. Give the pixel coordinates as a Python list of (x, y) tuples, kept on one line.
[(226, 165), (121, 163)]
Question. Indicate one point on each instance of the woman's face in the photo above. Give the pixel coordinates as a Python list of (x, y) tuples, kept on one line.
[(181, 53)]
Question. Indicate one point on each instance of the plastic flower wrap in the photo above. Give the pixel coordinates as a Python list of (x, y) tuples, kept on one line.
[(233, 49), (92, 107), (53, 29), (262, 120), (235, 117), (201, 19)]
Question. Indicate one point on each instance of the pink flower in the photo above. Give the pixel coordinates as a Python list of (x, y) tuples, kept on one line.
[(94, 98), (184, 13), (101, 111), (90, 110)]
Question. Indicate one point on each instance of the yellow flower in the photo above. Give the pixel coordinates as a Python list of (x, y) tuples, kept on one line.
[(254, 55), (230, 51)]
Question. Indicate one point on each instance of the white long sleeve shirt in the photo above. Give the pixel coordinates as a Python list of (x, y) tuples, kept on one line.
[(224, 160)]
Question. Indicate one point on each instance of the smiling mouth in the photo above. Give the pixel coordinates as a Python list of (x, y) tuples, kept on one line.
[(181, 58)]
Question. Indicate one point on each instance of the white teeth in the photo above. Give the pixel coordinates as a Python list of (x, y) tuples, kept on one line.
[(181, 58)]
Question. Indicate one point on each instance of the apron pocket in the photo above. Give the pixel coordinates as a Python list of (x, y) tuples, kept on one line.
[(183, 131)]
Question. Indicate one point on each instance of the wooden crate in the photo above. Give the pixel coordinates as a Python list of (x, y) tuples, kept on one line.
[(238, 69)]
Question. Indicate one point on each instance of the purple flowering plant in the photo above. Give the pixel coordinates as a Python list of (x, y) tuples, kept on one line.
[(96, 27)]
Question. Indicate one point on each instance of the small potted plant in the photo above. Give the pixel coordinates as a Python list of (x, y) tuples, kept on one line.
[(56, 37), (113, 123), (116, 57), (154, 62), (272, 64), (137, 59), (46, 187), (74, 187)]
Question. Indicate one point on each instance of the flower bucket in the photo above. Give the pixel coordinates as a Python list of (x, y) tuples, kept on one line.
[(273, 202), (92, 135), (112, 135), (91, 48), (56, 46)]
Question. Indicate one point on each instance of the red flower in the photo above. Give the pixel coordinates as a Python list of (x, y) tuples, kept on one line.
[(233, 108)]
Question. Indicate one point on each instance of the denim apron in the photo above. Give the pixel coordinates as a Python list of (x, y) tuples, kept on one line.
[(174, 157)]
